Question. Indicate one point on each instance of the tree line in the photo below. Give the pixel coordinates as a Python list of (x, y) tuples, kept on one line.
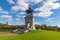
[(38, 27), (45, 27)]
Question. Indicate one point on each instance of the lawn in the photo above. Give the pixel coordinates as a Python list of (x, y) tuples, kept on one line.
[(35, 35), (4, 31)]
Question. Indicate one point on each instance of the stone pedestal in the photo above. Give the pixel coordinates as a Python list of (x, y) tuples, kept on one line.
[(29, 22), (20, 31)]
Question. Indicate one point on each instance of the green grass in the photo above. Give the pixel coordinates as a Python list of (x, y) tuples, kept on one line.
[(35, 35), (4, 31)]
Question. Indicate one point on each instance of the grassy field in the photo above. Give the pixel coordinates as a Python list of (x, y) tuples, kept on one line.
[(4, 31), (35, 35)]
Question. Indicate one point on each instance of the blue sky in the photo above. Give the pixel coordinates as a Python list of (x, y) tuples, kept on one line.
[(11, 11)]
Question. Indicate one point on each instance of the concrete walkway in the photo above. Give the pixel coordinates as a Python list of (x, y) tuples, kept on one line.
[(8, 34)]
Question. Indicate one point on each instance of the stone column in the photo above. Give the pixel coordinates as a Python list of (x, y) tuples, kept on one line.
[(29, 23)]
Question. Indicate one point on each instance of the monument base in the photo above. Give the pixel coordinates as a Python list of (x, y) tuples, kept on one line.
[(20, 31)]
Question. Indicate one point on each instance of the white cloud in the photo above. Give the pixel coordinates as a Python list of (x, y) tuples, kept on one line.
[(8, 17), (24, 4), (17, 19), (37, 1), (21, 13), (21, 23), (23, 16), (4, 12), (48, 5), (43, 14), (18, 16), (5, 16), (11, 1), (45, 9), (33, 1), (20, 5), (15, 8), (49, 20), (36, 23), (1, 9), (56, 6)]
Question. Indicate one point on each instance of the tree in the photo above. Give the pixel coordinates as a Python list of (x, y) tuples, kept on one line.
[(37, 26), (43, 27)]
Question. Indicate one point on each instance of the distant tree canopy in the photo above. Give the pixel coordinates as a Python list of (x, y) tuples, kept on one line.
[(37, 26), (43, 27), (11, 26), (2, 25)]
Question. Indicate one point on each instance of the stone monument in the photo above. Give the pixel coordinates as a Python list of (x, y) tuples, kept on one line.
[(29, 20)]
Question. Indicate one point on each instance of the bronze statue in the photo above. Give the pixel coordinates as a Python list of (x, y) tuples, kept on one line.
[(29, 11)]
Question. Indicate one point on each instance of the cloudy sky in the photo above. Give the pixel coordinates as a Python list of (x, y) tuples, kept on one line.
[(45, 11)]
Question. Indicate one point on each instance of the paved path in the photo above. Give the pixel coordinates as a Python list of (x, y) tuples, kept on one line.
[(8, 34)]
